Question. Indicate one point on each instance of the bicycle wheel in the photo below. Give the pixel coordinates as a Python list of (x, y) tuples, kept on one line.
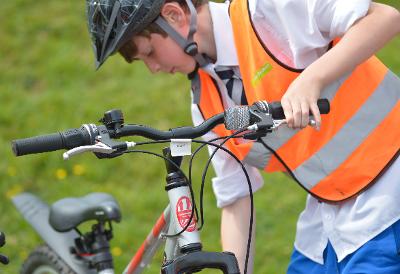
[(43, 260)]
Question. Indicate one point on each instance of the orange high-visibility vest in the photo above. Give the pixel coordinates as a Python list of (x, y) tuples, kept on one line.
[(358, 139)]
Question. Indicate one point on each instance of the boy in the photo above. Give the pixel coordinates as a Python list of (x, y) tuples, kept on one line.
[(282, 50)]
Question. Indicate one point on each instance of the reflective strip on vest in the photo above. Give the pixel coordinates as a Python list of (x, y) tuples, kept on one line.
[(334, 153), (259, 156)]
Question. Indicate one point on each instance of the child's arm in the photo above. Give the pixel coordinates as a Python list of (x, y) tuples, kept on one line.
[(361, 41)]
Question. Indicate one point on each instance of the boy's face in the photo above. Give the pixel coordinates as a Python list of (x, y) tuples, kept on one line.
[(162, 54)]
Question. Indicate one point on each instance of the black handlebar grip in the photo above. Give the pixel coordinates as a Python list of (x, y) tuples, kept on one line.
[(45, 143), (38, 144), (2, 239), (4, 260), (276, 110)]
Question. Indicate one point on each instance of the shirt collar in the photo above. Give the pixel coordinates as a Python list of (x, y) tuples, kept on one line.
[(223, 34)]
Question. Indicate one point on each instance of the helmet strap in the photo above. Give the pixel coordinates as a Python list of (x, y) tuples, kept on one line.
[(188, 44)]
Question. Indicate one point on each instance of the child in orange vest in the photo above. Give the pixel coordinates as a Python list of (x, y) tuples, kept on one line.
[(245, 51)]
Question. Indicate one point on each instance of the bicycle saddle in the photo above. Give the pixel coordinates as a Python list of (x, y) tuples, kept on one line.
[(65, 214)]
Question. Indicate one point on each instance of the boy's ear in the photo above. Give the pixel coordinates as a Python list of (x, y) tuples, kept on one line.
[(174, 14)]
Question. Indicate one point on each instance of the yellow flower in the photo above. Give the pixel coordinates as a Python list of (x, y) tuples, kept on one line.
[(61, 174), (11, 171), (116, 251), (14, 191), (78, 170), (23, 254)]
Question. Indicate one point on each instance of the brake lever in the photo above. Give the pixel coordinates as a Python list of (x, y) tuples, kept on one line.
[(278, 123), (99, 147)]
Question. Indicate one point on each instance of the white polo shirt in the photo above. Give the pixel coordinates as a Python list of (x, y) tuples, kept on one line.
[(298, 32)]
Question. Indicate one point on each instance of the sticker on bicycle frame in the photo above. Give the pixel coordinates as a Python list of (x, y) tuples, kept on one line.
[(183, 212), (181, 147)]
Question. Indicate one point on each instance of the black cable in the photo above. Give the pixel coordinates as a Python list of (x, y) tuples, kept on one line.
[(180, 170), (249, 184), (152, 142), (204, 143), (282, 162), (189, 180), (218, 146)]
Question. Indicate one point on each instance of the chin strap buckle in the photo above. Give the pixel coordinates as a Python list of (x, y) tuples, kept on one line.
[(191, 49)]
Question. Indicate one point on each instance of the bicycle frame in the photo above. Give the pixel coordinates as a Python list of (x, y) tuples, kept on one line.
[(153, 241), (182, 252)]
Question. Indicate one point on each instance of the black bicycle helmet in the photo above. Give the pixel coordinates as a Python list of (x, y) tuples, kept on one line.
[(112, 23)]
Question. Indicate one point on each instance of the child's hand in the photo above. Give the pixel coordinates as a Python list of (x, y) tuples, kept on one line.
[(381, 24), (301, 99)]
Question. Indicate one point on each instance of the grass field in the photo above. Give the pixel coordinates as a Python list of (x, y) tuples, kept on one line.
[(48, 83)]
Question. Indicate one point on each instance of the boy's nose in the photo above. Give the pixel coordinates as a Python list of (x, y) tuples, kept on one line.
[(154, 67)]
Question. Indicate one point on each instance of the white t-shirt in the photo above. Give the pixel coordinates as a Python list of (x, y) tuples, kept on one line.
[(297, 32)]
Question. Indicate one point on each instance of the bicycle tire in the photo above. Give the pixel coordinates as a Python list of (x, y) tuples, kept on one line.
[(43, 260)]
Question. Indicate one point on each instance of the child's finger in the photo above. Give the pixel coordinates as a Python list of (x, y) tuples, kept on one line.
[(297, 114), (305, 114), (317, 115), (288, 111)]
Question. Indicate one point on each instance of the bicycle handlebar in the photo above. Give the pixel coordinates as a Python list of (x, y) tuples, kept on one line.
[(174, 133), (89, 134)]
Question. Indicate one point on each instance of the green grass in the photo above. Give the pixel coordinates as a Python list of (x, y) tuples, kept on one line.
[(48, 83)]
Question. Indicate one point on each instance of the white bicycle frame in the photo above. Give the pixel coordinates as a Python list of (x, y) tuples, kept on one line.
[(168, 224)]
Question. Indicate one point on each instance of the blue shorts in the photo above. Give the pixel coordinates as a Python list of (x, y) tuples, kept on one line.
[(381, 255)]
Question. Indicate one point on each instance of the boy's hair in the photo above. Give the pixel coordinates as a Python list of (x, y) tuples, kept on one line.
[(129, 49)]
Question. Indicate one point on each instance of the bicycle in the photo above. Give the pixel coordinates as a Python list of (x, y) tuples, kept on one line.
[(67, 250)]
